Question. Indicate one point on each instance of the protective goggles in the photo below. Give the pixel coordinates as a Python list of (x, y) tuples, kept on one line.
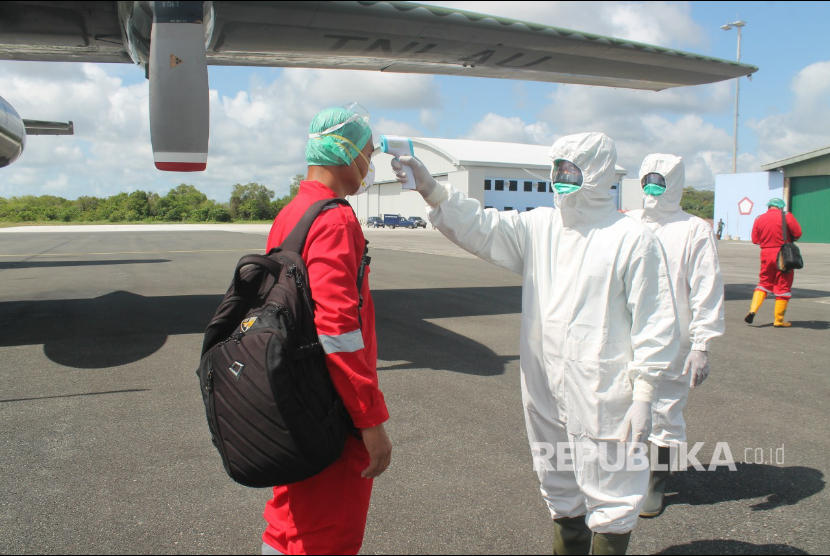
[(566, 172), (653, 178), (358, 113), (653, 184)]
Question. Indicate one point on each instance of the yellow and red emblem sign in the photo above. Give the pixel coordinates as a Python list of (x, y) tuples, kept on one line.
[(248, 323)]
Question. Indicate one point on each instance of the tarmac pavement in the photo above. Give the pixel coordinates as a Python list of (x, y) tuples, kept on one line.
[(105, 448)]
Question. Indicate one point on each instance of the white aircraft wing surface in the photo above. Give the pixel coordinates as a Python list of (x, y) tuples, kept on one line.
[(175, 41)]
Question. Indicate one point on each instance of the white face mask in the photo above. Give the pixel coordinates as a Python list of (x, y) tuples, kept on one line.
[(368, 181)]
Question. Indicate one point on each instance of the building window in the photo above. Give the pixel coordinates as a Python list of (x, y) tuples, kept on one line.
[(528, 186), (488, 185), (514, 185), (541, 186), (499, 185)]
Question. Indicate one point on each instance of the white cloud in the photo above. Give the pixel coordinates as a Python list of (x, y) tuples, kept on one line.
[(256, 135), (578, 105), (804, 128), (371, 89), (385, 126), (640, 122), (58, 185), (429, 118), (494, 127), (643, 122)]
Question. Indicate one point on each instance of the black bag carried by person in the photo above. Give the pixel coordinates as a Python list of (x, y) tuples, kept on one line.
[(789, 256), (271, 407)]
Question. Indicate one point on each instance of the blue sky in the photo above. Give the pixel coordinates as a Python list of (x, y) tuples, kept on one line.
[(259, 115)]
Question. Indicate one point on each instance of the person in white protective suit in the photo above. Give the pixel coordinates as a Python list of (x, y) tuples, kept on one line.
[(598, 333), (691, 251)]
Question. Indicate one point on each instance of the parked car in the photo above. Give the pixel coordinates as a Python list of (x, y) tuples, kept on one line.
[(374, 222), (418, 221), (396, 221)]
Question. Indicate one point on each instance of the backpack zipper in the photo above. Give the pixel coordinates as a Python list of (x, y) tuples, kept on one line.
[(214, 422), (306, 295)]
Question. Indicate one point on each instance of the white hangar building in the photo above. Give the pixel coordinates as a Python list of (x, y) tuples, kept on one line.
[(505, 176)]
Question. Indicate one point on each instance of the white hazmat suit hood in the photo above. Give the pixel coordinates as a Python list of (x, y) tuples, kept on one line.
[(658, 208), (596, 156)]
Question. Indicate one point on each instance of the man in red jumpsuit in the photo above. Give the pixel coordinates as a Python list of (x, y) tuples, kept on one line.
[(768, 232), (326, 513)]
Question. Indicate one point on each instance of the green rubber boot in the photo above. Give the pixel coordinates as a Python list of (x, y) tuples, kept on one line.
[(653, 504), (610, 543), (571, 535)]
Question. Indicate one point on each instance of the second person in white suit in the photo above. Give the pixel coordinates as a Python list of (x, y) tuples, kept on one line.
[(692, 254)]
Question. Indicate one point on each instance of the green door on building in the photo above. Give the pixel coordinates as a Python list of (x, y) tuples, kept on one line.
[(810, 204)]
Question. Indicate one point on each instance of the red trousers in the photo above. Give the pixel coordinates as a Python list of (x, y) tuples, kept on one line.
[(771, 279), (326, 513)]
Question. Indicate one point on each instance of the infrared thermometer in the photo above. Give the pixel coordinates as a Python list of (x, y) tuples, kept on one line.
[(399, 146)]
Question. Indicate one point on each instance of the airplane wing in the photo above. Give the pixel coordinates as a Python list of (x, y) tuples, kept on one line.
[(399, 37), (382, 36)]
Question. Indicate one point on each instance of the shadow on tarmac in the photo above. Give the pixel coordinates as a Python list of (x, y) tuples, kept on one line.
[(107, 331), (811, 324), (122, 327), (744, 291), (782, 486), (405, 335), (10, 265), (731, 547)]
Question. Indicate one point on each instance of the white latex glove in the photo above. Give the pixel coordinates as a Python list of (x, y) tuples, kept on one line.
[(425, 184), (637, 422), (697, 366)]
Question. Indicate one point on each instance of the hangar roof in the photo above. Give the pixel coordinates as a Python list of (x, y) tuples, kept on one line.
[(492, 153), (796, 159)]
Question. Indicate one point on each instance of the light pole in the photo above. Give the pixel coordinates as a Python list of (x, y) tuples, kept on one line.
[(737, 24)]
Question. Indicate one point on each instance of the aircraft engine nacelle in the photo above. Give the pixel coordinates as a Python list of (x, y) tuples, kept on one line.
[(12, 134)]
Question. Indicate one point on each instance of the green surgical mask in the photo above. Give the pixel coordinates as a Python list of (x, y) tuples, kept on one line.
[(653, 190), (566, 188)]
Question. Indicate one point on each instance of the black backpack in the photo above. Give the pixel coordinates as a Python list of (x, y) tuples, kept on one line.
[(273, 412)]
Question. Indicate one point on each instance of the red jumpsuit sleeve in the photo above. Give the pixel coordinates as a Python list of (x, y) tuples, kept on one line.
[(332, 260), (793, 227), (756, 231)]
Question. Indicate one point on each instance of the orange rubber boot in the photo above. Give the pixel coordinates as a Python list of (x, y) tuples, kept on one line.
[(780, 309)]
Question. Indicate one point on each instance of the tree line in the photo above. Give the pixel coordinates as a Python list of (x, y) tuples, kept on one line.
[(185, 203), (698, 202)]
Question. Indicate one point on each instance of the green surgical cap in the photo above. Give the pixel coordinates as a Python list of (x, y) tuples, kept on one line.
[(327, 149), (776, 202)]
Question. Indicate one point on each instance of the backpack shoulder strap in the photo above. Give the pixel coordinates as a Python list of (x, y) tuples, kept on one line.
[(296, 239), (784, 227), (364, 262)]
